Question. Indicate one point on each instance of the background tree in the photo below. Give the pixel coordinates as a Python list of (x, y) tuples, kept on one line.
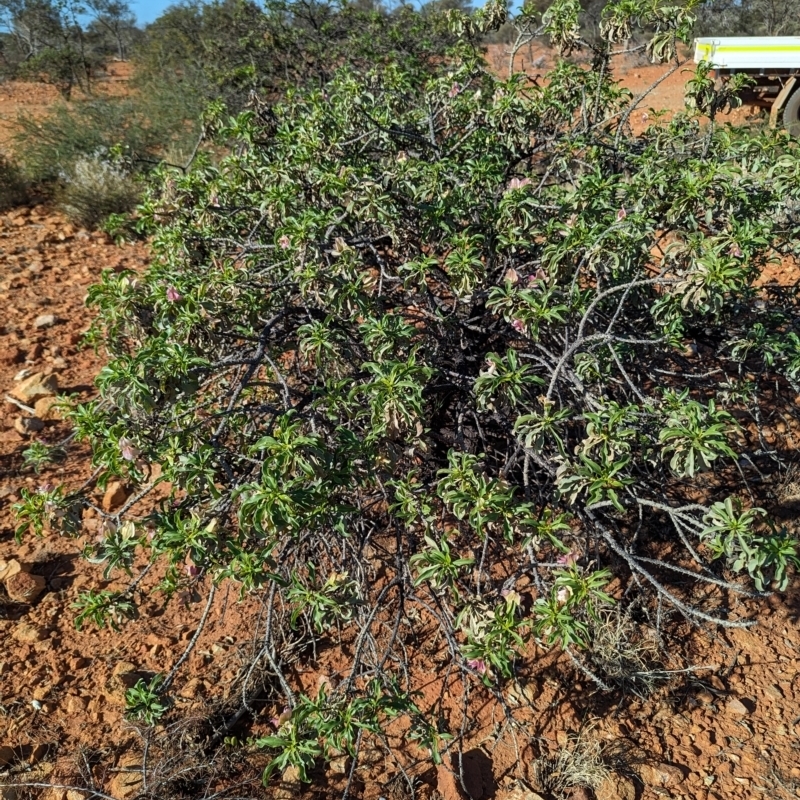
[(114, 20), (49, 42), (749, 18)]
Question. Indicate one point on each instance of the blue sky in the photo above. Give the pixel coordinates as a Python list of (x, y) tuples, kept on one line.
[(148, 10)]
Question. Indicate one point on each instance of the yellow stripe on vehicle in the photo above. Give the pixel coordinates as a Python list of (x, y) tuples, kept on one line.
[(708, 48)]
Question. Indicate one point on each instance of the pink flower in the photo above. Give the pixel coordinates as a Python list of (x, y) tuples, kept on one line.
[(621, 214), (455, 90), (192, 571), (735, 250), (517, 183), (214, 200), (46, 488), (537, 276), (478, 664), (512, 276), (512, 598), (282, 718), (567, 559), (284, 242), (645, 116), (563, 595), (128, 449), (518, 325), (173, 295)]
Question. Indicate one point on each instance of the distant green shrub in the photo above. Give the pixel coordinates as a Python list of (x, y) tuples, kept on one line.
[(139, 127)]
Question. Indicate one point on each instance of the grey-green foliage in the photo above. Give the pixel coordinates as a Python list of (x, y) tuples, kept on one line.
[(443, 320)]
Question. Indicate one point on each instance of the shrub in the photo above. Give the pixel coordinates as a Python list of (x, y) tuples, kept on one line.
[(415, 355), (140, 127), (94, 188), (13, 188), (226, 49)]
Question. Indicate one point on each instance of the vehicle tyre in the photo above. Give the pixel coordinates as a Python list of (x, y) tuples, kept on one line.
[(791, 113)]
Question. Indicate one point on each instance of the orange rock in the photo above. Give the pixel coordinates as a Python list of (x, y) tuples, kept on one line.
[(26, 426), (115, 496), (661, 774), (27, 633), (12, 567), (616, 787), (24, 587), (45, 408), (35, 387)]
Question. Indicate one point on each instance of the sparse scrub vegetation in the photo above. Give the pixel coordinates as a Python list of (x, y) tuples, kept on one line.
[(95, 188), (13, 187), (425, 353)]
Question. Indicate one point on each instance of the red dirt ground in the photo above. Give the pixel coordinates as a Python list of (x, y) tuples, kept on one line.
[(728, 732)]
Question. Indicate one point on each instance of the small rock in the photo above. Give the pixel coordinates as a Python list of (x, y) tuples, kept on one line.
[(12, 567), (194, 688), (76, 663), (661, 774), (41, 692), (522, 694), (705, 697), (26, 426), (115, 496), (35, 352), (289, 788), (76, 705), (24, 587), (339, 765), (46, 408), (128, 781), (35, 386), (739, 707), (616, 787), (125, 675), (774, 691), (27, 633), (45, 321)]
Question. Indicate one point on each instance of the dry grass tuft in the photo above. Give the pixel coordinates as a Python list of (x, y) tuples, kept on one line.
[(94, 188), (625, 653), (580, 764)]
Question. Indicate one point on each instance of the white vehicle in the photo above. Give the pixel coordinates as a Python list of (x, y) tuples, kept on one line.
[(774, 62)]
